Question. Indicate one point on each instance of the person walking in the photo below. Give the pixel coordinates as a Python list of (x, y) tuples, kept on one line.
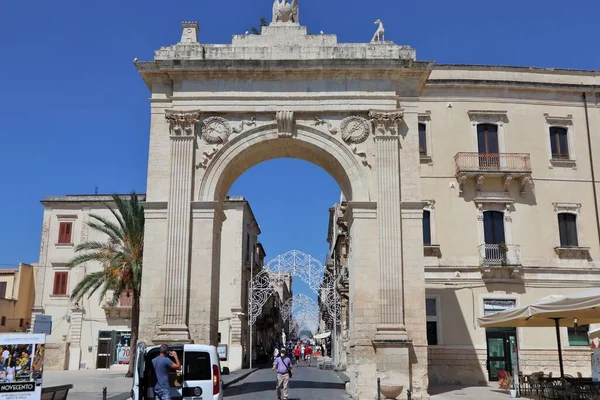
[(162, 366), (297, 354), (283, 366)]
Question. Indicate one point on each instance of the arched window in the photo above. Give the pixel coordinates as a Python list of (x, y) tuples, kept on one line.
[(567, 228), (559, 143)]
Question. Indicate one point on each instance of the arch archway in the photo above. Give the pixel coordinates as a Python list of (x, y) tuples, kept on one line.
[(265, 143)]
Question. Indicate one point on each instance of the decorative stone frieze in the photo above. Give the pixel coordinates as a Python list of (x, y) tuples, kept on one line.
[(386, 122), (330, 128), (216, 130), (567, 207), (363, 156), (285, 124), (207, 157), (355, 129), (182, 123)]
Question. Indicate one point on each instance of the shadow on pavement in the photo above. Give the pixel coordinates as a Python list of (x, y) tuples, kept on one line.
[(253, 387)]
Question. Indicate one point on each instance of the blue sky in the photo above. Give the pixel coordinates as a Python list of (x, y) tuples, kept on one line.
[(74, 112)]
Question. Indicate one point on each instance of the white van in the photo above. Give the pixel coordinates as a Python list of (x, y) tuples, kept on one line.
[(198, 379)]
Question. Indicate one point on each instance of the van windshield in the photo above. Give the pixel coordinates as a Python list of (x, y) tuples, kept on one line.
[(197, 366)]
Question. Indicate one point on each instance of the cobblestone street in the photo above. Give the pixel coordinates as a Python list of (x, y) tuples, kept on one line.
[(308, 383)]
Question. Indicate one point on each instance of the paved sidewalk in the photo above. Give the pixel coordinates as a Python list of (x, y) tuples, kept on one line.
[(88, 384), (236, 376), (468, 393)]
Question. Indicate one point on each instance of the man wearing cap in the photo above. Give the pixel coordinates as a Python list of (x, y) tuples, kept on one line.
[(162, 366), (283, 366)]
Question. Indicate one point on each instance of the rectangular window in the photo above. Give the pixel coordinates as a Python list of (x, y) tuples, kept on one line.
[(423, 139), (3, 322), (559, 143), (432, 321), (60, 283), (579, 336), (427, 228), (3, 290), (65, 230), (21, 323), (197, 366), (567, 228), (247, 247)]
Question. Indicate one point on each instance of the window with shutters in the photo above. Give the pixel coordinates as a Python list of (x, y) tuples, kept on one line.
[(559, 143), (567, 228), (65, 232), (3, 290), (425, 149), (61, 280), (422, 139)]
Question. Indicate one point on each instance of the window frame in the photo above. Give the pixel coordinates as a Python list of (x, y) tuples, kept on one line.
[(565, 123), (3, 288), (498, 118), (55, 283), (437, 318), (505, 208), (569, 208), (425, 120), (558, 130), (61, 240), (565, 244), (587, 344)]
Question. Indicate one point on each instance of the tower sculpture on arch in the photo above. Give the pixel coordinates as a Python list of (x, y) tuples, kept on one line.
[(349, 108)]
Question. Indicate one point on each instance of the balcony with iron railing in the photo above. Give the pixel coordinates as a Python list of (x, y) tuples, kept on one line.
[(508, 166), (500, 257)]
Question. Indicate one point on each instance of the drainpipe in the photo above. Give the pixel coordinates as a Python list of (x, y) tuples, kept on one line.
[(589, 139)]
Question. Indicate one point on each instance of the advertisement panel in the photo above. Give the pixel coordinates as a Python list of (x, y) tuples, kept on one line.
[(21, 366)]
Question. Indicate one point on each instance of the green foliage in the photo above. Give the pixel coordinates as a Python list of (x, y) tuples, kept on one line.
[(263, 22)]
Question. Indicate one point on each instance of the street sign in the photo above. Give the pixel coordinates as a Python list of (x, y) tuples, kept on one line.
[(43, 324)]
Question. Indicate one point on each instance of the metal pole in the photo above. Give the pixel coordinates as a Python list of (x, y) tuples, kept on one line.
[(250, 305), (378, 388), (560, 356), (104, 393), (335, 322)]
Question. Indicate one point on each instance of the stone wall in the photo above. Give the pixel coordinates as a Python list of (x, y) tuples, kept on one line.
[(56, 356)]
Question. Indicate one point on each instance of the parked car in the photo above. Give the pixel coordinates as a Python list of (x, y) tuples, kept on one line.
[(200, 376)]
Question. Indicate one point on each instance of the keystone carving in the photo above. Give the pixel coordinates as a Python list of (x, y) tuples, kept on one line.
[(355, 129), (285, 124), (386, 122), (182, 123)]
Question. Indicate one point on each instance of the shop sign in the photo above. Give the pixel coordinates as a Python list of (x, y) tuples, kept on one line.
[(123, 354), (21, 366)]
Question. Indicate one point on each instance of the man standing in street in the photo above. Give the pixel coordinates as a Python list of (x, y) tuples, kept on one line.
[(162, 366), (283, 366)]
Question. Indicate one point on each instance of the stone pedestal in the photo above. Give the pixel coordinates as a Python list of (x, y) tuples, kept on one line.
[(393, 362)]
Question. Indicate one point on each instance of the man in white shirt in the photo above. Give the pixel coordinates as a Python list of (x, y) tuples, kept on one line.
[(5, 355)]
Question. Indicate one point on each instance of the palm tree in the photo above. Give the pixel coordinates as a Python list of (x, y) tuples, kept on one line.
[(121, 259)]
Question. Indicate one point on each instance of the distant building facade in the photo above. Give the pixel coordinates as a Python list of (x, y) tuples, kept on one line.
[(17, 291)]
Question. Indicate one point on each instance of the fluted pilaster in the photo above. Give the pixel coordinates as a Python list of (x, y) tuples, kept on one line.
[(389, 218), (182, 130)]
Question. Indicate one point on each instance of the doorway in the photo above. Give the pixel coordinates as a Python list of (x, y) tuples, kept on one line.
[(493, 231), (487, 146), (501, 351)]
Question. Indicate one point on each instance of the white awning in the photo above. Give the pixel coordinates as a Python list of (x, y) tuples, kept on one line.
[(323, 335)]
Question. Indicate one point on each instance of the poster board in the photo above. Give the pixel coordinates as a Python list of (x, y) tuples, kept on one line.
[(222, 352), (21, 366)]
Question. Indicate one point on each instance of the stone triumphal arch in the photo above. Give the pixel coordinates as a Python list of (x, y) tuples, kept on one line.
[(352, 109)]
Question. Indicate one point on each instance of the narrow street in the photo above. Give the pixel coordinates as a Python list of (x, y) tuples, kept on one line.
[(308, 383)]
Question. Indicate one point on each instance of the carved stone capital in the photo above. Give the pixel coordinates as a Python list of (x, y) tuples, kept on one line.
[(285, 123), (182, 123), (386, 121)]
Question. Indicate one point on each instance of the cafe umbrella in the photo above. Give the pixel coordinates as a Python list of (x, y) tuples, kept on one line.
[(556, 311)]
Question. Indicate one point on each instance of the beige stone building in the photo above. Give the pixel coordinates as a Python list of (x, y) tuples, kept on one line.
[(509, 214), (468, 189), (17, 291)]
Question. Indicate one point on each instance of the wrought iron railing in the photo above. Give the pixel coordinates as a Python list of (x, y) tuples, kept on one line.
[(499, 254), (493, 162)]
